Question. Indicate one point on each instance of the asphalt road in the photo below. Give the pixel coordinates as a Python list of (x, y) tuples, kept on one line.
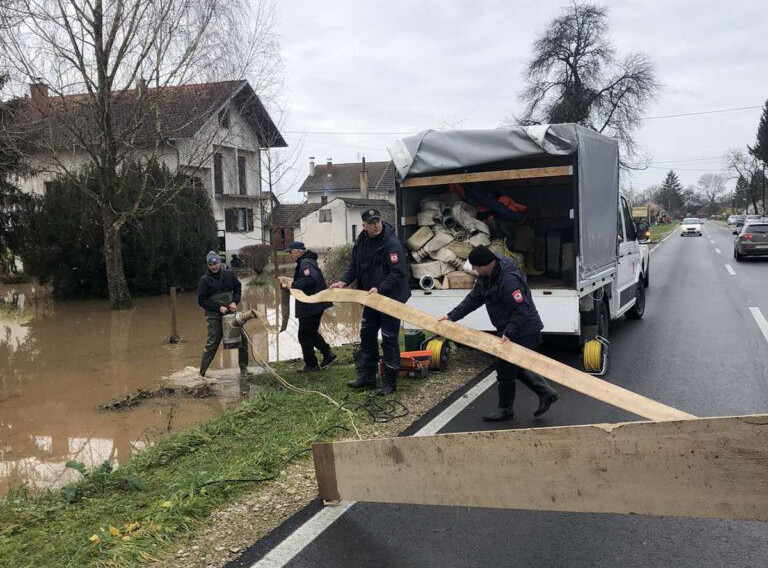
[(699, 348)]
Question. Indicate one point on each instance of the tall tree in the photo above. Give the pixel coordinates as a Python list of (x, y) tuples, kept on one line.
[(711, 186), (102, 50), (760, 149), (576, 76), (740, 164), (670, 193), (741, 194)]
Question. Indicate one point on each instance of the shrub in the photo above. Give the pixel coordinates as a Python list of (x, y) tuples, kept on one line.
[(256, 257), (336, 262), (64, 239)]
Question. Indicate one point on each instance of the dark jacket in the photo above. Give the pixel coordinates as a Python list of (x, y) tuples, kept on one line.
[(507, 298), (309, 279), (223, 281), (380, 263)]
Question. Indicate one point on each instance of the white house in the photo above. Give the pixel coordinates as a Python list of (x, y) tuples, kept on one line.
[(363, 180), (339, 222), (215, 133)]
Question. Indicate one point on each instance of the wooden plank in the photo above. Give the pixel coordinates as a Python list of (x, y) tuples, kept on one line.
[(526, 173), (536, 362), (710, 467)]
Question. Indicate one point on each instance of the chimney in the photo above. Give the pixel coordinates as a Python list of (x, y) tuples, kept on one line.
[(364, 181), (39, 93), (311, 166), (329, 164)]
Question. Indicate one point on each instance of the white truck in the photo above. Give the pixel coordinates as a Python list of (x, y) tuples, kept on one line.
[(588, 263)]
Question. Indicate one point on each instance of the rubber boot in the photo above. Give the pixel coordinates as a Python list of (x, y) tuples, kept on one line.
[(388, 382), (328, 358), (504, 406), (366, 379), (545, 401)]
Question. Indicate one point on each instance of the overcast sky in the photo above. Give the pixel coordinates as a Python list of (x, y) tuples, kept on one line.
[(396, 66)]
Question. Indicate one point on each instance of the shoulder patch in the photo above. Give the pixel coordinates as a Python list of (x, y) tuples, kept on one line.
[(393, 257), (306, 272), (518, 296)]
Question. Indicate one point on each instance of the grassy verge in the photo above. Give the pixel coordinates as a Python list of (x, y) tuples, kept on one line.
[(138, 512), (658, 232)]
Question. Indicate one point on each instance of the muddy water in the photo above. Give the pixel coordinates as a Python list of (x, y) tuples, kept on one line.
[(60, 360)]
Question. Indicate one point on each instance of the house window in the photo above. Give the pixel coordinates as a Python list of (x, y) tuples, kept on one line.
[(238, 220), (224, 118), (354, 232), (194, 183), (218, 175), (241, 175), (324, 199), (325, 215)]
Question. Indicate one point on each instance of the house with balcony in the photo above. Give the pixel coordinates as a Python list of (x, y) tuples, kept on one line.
[(214, 133)]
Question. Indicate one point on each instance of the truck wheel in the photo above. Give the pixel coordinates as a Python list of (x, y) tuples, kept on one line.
[(647, 275), (636, 311)]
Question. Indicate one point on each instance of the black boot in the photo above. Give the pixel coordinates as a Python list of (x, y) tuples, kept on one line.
[(366, 379), (328, 358), (504, 406), (545, 402), (308, 369), (388, 382)]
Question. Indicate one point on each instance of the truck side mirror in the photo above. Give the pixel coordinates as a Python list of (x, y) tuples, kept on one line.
[(643, 230)]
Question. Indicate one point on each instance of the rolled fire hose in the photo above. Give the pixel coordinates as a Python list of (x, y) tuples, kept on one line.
[(466, 216), (432, 268), (427, 218), (426, 282), (430, 204), (479, 239), (434, 244), (449, 257), (459, 248), (448, 222), (420, 238)]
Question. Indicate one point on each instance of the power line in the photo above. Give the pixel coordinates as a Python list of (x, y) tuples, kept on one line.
[(351, 133)]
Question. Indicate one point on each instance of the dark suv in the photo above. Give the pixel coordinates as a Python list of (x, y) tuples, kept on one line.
[(751, 241)]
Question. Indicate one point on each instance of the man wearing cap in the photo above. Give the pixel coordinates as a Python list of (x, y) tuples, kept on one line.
[(378, 264), (218, 293), (504, 291), (308, 278)]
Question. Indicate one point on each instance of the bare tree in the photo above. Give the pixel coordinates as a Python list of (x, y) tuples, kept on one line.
[(575, 76), (743, 165), (711, 186), (103, 52)]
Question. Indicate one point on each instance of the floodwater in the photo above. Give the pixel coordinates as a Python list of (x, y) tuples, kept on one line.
[(60, 360)]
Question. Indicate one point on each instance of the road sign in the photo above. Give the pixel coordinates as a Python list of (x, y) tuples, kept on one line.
[(640, 212)]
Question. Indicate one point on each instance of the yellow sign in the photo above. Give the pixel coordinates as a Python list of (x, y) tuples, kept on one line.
[(640, 212)]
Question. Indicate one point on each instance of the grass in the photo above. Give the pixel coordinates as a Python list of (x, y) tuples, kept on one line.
[(128, 516), (660, 231)]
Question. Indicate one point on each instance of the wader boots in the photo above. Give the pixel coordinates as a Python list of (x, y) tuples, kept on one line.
[(388, 382), (366, 376), (504, 407)]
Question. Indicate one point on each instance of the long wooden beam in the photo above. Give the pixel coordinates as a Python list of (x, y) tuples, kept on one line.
[(527, 173), (536, 362), (709, 467)]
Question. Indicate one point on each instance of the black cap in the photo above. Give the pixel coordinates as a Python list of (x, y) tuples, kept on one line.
[(481, 256), (370, 215), (296, 245)]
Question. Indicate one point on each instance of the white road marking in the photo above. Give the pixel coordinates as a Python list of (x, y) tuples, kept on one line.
[(761, 322), (660, 242), (730, 270), (711, 241), (284, 552), (717, 250)]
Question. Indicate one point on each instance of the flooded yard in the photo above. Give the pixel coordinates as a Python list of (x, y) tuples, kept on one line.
[(59, 361)]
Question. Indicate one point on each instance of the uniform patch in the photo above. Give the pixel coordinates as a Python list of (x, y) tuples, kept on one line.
[(518, 296), (393, 257), (306, 272)]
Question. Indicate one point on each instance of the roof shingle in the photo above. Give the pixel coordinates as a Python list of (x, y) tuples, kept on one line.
[(341, 177)]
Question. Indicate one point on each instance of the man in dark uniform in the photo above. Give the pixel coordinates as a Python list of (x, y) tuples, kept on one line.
[(506, 295), (218, 293), (309, 279), (378, 264)]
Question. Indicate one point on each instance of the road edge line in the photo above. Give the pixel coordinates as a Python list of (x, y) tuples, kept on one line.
[(762, 323)]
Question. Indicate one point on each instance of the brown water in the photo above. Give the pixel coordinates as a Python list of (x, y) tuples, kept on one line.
[(60, 360)]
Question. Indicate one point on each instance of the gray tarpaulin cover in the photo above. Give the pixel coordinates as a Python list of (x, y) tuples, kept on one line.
[(433, 151)]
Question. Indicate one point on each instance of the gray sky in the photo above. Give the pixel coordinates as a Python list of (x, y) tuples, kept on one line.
[(402, 66)]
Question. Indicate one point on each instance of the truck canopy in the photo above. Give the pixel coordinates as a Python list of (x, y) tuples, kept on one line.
[(597, 160)]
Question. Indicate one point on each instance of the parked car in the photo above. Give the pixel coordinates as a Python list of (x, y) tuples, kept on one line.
[(733, 219), (752, 240), (690, 226)]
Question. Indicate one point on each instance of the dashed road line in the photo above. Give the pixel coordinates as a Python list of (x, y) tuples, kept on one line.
[(761, 322), (717, 250), (730, 270)]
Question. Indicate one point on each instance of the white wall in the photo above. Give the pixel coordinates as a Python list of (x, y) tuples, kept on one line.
[(323, 236)]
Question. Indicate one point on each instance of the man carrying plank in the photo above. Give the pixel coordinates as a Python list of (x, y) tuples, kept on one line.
[(506, 295)]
